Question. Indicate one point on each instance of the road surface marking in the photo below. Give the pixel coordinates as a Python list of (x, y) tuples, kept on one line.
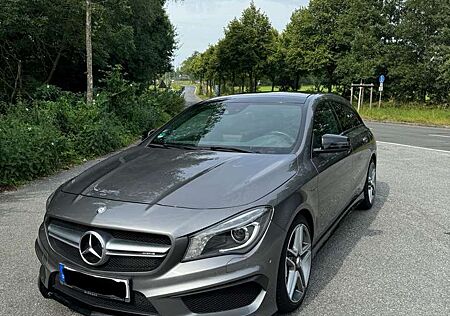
[(416, 147), (436, 135)]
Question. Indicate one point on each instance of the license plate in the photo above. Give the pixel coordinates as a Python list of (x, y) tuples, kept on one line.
[(116, 289)]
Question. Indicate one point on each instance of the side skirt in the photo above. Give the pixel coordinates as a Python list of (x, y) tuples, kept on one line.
[(335, 224)]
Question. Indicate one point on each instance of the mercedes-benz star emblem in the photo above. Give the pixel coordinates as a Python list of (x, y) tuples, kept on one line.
[(101, 209), (92, 248)]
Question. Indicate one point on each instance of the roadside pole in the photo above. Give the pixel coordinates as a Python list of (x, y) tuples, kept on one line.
[(360, 96), (351, 95), (380, 89), (361, 87), (379, 101)]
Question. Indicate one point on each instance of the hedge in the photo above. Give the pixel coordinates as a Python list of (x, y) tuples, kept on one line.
[(58, 129)]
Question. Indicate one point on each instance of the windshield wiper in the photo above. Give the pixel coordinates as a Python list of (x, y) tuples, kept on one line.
[(183, 146), (173, 145), (157, 145), (231, 149)]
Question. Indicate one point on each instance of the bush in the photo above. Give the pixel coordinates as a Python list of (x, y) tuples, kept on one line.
[(58, 129), (28, 151)]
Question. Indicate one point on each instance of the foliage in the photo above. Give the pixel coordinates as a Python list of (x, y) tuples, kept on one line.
[(30, 150), (333, 43), (42, 42), (41, 136), (242, 56)]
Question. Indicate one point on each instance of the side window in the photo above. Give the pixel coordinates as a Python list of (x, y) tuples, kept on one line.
[(347, 116), (324, 123)]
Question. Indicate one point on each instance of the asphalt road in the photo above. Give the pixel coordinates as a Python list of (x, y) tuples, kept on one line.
[(429, 137), (391, 260)]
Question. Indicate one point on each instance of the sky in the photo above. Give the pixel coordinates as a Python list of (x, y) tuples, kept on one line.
[(199, 23)]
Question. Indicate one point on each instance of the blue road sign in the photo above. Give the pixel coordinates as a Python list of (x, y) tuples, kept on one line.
[(382, 78)]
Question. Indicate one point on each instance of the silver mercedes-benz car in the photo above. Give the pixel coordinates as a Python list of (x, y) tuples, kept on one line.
[(219, 211)]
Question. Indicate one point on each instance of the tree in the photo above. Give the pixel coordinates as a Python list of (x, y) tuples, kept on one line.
[(43, 42), (258, 36), (418, 55), (90, 78), (362, 26)]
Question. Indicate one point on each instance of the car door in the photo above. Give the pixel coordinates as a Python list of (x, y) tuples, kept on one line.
[(334, 168), (353, 127)]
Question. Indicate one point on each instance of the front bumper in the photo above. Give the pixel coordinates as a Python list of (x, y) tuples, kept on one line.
[(224, 285)]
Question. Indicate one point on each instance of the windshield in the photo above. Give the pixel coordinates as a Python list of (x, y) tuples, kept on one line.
[(259, 128)]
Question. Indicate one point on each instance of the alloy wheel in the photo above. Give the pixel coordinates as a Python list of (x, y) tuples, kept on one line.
[(371, 182), (298, 263)]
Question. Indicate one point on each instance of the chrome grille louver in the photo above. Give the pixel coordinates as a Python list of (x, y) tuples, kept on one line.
[(147, 250)]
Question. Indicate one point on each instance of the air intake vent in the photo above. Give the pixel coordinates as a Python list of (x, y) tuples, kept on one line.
[(228, 298)]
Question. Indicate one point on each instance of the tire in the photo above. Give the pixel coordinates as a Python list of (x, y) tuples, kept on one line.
[(294, 265), (369, 187)]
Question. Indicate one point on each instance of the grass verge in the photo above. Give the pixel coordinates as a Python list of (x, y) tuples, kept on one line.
[(415, 114)]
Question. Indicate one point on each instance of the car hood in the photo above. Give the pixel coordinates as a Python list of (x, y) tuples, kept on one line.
[(196, 179)]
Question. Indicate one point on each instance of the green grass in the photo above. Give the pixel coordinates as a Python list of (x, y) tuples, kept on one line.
[(417, 114), (308, 88), (267, 89)]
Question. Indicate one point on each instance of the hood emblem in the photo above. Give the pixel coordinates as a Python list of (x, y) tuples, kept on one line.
[(92, 248), (102, 209)]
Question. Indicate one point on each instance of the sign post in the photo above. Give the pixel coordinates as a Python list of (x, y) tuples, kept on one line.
[(361, 87), (382, 79)]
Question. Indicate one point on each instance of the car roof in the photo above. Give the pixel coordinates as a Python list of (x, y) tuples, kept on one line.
[(269, 97)]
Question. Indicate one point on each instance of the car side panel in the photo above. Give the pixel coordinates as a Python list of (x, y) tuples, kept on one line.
[(334, 186), (359, 139), (362, 140)]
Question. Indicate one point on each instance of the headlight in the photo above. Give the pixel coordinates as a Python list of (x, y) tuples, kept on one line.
[(234, 235)]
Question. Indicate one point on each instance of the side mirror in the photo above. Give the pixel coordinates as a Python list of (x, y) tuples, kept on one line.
[(146, 134), (334, 143)]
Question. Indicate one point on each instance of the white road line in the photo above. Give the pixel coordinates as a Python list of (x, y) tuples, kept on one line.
[(416, 147), (436, 135)]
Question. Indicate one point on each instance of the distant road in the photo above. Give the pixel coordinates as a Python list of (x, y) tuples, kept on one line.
[(190, 96), (427, 137)]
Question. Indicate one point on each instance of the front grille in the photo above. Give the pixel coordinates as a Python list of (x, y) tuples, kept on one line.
[(139, 304), (120, 234), (114, 263), (224, 299)]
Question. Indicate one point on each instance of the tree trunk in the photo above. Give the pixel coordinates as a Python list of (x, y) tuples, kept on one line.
[(297, 80), (273, 84), (220, 87), (18, 81), (90, 77), (233, 83), (250, 85), (55, 64), (256, 84)]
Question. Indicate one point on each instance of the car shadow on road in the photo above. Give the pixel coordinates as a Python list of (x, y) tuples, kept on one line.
[(330, 258)]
